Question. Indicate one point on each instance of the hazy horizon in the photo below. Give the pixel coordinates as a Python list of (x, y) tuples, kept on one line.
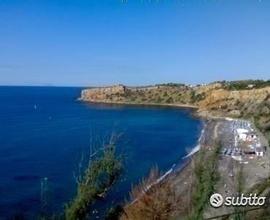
[(106, 42), (101, 85)]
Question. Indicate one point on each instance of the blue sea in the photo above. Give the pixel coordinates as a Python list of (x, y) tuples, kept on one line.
[(46, 134)]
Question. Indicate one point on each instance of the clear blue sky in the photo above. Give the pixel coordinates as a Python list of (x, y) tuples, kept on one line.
[(102, 42)]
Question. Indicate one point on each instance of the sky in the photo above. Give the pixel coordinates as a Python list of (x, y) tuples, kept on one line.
[(133, 42)]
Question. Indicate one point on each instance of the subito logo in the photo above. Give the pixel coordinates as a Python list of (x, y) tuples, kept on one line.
[(216, 200)]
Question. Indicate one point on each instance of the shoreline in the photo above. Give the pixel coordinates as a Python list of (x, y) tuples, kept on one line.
[(141, 104), (203, 115), (197, 148)]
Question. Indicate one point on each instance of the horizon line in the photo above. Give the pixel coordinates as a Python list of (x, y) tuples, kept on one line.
[(126, 84)]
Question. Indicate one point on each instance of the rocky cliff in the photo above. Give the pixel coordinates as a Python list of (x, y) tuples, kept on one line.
[(103, 94), (211, 97), (159, 94), (237, 100)]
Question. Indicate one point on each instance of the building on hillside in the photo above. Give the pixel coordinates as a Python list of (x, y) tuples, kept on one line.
[(251, 136), (242, 134), (260, 151)]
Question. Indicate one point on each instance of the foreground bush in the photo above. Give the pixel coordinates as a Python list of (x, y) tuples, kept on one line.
[(98, 176), (152, 200), (206, 176)]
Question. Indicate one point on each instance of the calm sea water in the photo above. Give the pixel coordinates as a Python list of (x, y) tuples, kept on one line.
[(44, 133)]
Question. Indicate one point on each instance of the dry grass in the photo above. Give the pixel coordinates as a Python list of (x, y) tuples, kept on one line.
[(157, 202)]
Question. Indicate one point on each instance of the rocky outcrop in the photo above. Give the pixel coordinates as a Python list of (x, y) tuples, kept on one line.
[(242, 100), (220, 97), (102, 93), (160, 94)]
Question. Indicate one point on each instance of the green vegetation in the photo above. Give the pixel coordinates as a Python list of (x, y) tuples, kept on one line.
[(240, 179), (262, 122), (194, 97), (246, 84), (265, 213), (261, 187), (171, 84), (98, 176), (240, 211), (169, 100), (170, 93), (206, 176)]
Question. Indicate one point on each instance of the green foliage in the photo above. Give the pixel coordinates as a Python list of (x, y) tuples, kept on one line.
[(206, 177), (240, 180), (196, 97), (171, 84), (261, 187), (240, 214), (159, 99), (169, 100), (98, 176), (244, 84)]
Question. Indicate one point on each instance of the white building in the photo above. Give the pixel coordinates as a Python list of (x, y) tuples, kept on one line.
[(242, 134), (259, 151)]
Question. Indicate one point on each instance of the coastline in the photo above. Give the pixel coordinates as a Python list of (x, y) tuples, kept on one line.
[(197, 148), (141, 104)]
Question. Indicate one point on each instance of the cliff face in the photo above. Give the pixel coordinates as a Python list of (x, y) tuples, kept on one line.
[(102, 93), (221, 97), (243, 101), (207, 97), (141, 95)]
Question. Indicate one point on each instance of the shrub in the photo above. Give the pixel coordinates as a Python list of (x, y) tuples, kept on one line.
[(169, 100), (152, 200), (206, 175), (98, 176), (244, 84)]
